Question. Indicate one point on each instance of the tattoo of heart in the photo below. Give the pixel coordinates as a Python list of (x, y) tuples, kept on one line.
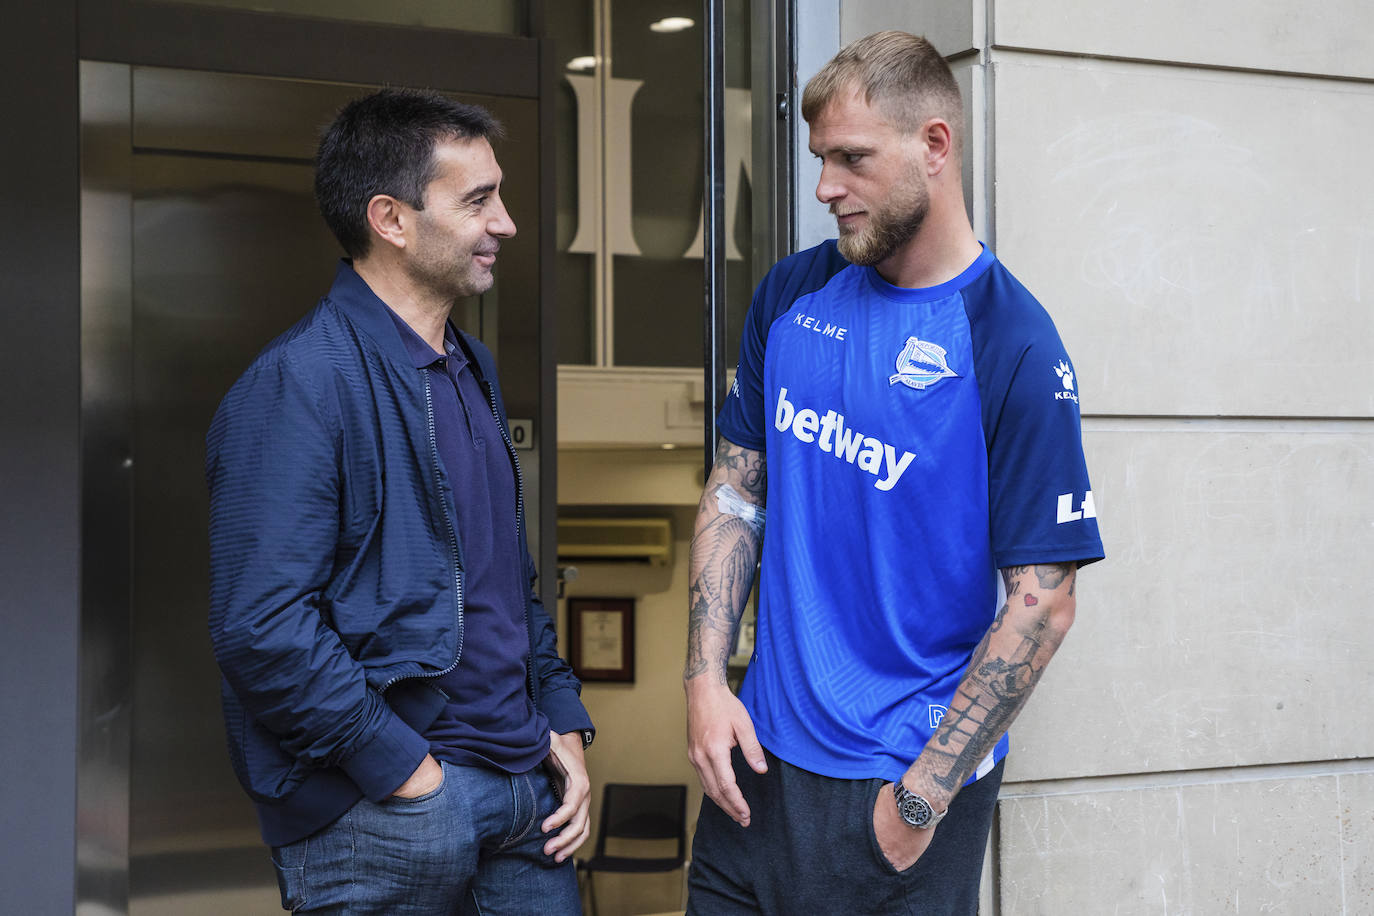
[(1032, 601)]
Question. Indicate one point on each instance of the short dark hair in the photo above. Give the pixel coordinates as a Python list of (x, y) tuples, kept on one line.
[(384, 144), (900, 74)]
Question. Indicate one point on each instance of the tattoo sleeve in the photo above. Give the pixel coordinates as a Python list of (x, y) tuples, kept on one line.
[(725, 551), (1003, 671)]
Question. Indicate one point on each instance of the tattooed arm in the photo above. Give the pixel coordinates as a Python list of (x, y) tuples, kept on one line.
[(725, 550), (1003, 671)]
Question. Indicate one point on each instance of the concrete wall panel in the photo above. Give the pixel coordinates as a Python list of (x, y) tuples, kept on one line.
[(1284, 845), (950, 27), (1355, 808), (968, 72), (1205, 240), (1334, 38), (1228, 625), (818, 38)]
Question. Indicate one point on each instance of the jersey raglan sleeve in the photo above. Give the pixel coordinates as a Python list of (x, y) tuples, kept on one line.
[(741, 418), (1040, 497)]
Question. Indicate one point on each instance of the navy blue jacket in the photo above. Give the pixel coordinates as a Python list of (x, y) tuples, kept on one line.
[(336, 572)]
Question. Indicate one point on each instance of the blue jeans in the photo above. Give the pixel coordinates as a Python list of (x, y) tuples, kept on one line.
[(471, 847)]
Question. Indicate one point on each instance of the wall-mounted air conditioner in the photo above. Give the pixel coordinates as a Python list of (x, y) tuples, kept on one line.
[(616, 539)]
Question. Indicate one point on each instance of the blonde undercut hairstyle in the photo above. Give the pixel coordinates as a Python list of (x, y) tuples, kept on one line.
[(900, 74)]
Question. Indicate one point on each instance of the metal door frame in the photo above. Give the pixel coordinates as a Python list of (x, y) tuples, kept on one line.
[(776, 105)]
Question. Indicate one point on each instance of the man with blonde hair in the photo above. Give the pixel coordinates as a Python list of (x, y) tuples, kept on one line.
[(906, 416)]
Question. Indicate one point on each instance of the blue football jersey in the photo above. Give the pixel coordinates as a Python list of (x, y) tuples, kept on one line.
[(917, 441)]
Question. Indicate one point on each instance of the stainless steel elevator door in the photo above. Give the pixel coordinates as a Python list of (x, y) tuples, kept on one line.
[(228, 251), (227, 254)]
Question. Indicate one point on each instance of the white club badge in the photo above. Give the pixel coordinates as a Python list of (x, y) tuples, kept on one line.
[(921, 364)]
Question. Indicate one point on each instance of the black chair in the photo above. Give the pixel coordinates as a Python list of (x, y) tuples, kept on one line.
[(632, 812)]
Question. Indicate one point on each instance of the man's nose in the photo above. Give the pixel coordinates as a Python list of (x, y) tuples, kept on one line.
[(828, 190), (501, 225)]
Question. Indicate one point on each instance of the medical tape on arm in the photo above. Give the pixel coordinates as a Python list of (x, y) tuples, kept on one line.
[(729, 502)]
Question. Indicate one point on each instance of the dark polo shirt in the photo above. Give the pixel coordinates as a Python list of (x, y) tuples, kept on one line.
[(489, 718)]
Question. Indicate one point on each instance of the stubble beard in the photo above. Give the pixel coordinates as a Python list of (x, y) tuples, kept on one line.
[(889, 227), (447, 281), (436, 269)]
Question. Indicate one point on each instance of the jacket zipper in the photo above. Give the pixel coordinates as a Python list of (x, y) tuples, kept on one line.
[(452, 538), (519, 527)]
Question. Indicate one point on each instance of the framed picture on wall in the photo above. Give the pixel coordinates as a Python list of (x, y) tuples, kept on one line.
[(601, 638)]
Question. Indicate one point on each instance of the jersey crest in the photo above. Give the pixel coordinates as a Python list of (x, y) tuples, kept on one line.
[(921, 364)]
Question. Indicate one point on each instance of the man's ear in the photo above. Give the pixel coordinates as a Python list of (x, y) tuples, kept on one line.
[(938, 138), (388, 217)]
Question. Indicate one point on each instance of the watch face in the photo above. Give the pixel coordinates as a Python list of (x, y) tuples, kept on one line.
[(914, 809)]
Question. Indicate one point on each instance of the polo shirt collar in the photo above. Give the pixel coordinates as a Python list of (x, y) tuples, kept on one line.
[(422, 355), (351, 293)]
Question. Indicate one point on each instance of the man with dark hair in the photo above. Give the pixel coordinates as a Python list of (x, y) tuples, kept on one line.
[(395, 702), (905, 415)]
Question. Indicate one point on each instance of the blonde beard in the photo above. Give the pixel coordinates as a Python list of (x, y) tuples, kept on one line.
[(862, 248), (890, 226), (884, 234)]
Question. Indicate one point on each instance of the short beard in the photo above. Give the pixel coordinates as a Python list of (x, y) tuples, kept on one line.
[(888, 229), (441, 271)]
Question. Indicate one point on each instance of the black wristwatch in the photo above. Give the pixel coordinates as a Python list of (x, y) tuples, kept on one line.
[(914, 809)]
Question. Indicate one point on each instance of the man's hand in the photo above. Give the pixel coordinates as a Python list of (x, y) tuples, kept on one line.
[(568, 763), (716, 722), (901, 844), (427, 777)]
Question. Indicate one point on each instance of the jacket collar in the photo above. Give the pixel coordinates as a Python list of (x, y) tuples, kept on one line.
[(351, 294), (365, 309)]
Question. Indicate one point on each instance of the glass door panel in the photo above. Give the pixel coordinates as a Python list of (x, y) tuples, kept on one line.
[(572, 24), (656, 284), (630, 160)]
